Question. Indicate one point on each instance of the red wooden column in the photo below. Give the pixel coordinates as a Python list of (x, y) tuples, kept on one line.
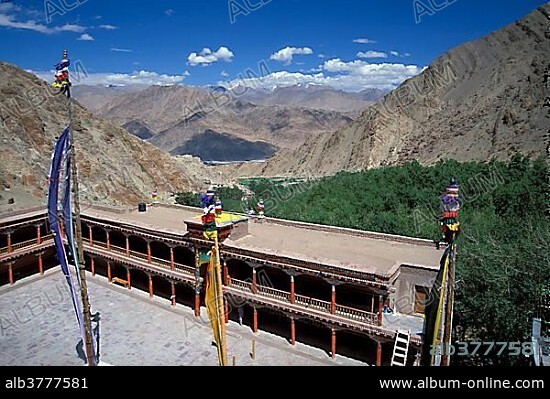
[(197, 303), (380, 309), (173, 297), (333, 343), (254, 283), (225, 273), (255, 326), (108, 240), (148, 251), (62, 229), (9, 241), (40, 265), (378, 353), (38, 234), (92, 265), (150, 286), (90, 236), (172, 265), (292, 295), (109, 272), (226, 310), (292, 331), (127, 245), (333, 300), (129, 278), (10, 272)]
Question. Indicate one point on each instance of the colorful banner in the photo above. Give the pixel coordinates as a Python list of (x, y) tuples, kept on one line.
[(56, 216), (214, 304)]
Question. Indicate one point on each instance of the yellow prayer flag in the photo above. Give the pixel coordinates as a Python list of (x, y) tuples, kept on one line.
[(214, 304)]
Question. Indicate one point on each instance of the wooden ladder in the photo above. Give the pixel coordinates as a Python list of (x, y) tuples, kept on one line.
[(401, 348)]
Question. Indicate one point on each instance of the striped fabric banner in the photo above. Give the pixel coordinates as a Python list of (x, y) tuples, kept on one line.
[(55, 216)]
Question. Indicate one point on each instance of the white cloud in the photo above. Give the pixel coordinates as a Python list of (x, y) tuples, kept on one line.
[(70, 28), (138, 78), (108, 27), (10, 21), (285, 55), (207, 57), (224, 74), (85, 37), (372, 54), (398, 54), (121, 50), (349, 76), (169, 12), (316, 69), (364, 41), (321, 56)]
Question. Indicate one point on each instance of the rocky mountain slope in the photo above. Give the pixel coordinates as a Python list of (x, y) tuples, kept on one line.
[(114, 166), (488, 98), (94, 97)]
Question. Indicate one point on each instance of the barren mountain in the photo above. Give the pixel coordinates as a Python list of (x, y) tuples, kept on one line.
[(488, 98), (138, 129), (159, 107), (220, 147), (114, 166), (95, 97), (178, 114), (315, 97)]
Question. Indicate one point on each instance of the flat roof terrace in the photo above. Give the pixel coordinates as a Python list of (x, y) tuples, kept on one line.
[(335, 248), (167, 219), (351, 249)]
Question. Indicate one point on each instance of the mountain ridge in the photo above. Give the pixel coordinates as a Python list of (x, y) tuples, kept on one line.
[(176, 114), (492, 106)]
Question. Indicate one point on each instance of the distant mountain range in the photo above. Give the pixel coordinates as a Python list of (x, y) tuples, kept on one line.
[(300, 95), (170, 117), (315, 97)]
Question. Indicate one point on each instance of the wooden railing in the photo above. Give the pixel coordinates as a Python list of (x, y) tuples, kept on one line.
[(142, 256), (241, 284), (307, 267), (357, 314), (25, 244), (272, 292), (145, 232), (307, 302), (244, 286), (310, 302)]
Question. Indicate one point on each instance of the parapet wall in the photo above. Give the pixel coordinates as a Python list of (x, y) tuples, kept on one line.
[(22, 211), (330, 229), (105, 208), (353, 232)]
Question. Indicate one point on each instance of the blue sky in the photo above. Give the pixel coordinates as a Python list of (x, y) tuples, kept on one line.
[(351, 45)]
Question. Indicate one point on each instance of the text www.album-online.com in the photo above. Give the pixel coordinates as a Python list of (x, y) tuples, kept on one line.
[(483, 383)]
